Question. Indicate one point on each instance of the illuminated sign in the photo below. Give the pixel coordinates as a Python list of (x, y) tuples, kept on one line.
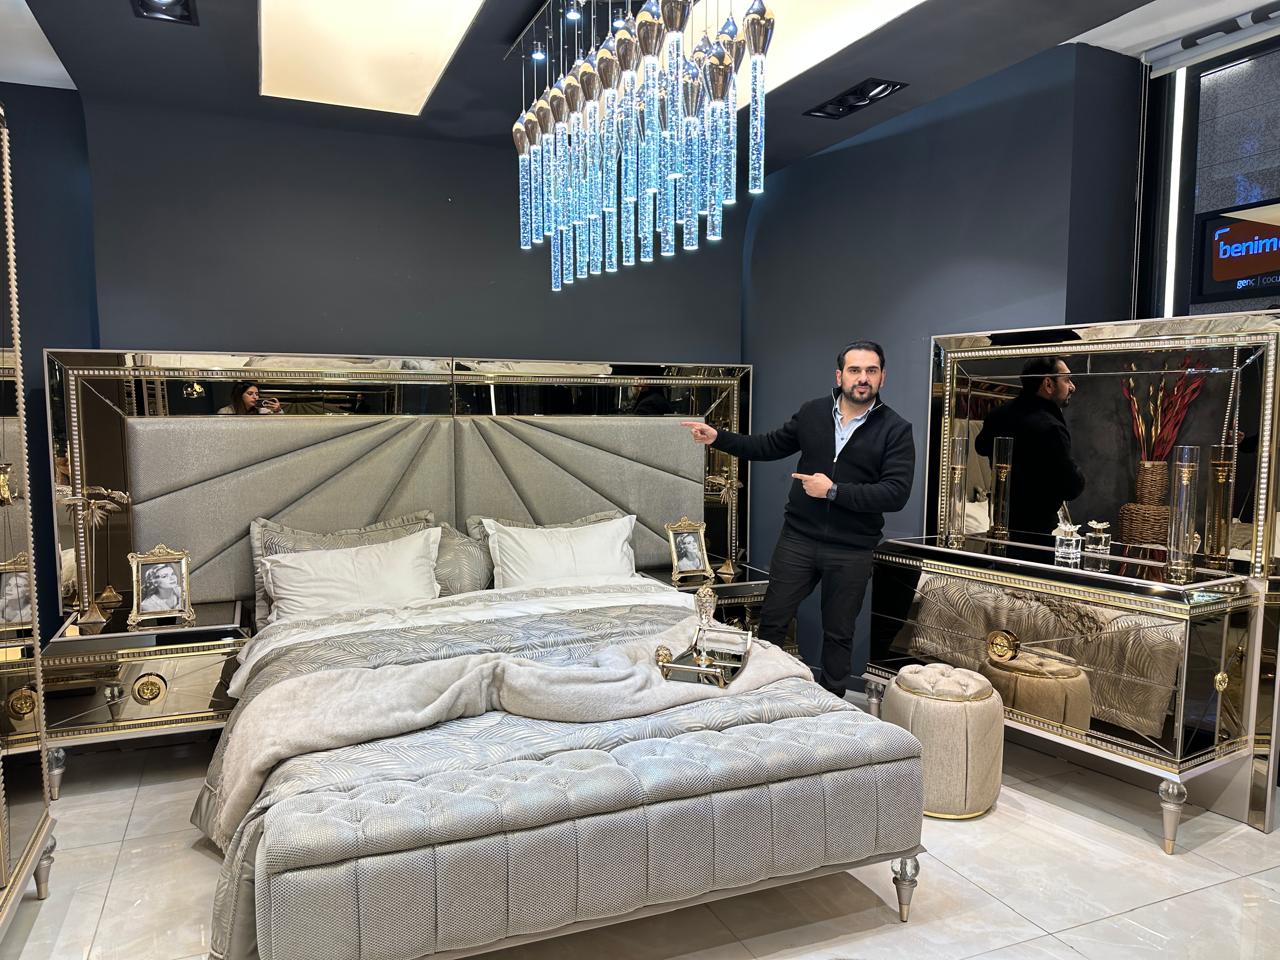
[(1238, 257)]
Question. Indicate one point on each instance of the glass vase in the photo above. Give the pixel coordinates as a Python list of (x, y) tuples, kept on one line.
[(1217, 508), (957, 490), (1001, 467), (1182, 513)]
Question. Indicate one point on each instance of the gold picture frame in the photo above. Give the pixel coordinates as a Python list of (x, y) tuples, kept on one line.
[(149, 600), (16, 615), (688, 542)]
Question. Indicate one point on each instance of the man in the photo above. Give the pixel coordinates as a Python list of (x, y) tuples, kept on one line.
[(1043, 475), (857, 462)]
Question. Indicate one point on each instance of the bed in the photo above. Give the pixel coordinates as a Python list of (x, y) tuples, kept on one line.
[(491, 828)]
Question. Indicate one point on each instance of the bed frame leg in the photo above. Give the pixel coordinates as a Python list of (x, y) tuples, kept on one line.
[(905, 872)]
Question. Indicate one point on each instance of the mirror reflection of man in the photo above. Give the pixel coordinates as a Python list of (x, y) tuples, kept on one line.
[(1043, 476), (857, 462)]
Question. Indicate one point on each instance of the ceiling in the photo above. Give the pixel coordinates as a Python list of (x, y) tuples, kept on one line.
[(936, 47), (1161, 21), (25, 54)]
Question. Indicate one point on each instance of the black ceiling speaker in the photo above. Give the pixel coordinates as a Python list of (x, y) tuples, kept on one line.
[(855, 98), (170, 11)]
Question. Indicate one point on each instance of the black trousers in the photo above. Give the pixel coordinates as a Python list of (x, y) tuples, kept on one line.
[(799, 564)]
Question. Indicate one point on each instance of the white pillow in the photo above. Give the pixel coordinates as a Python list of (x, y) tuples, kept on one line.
[(526, 556), (316, 583)]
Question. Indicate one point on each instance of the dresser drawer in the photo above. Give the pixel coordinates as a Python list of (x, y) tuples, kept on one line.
[(139, 692)]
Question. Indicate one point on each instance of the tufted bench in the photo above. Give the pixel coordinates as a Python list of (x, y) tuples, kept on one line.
[(959, 719), (517, 848)]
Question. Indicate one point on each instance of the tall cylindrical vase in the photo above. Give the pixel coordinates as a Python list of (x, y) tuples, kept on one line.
[(1217, 508), (1001, 468), (1182, 513), (957, 490)]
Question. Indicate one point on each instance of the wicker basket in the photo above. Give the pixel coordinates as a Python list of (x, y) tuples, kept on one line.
[(1153, 483), (1147, 521), (1144, 523)]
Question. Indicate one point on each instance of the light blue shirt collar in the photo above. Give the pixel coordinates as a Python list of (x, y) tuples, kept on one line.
[(846, 430)]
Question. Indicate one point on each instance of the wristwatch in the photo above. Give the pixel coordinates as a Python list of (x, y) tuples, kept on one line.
[(831, 492)]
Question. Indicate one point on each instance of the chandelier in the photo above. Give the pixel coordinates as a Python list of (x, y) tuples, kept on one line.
[(639, 139)]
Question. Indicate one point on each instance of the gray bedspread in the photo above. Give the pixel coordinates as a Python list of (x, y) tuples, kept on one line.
[(492, 826)]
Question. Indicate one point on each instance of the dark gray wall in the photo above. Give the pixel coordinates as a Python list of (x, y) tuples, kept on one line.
[(225, 233), (959, 216), (53, 233)]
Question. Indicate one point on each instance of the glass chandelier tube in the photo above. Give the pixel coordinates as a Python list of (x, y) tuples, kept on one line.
[(628, 232), (535, 175), (731, 131), (704, 195), (609, 178), (650, 150), (718, 147), (549, 187), (630, 134), (526, 203), (555, 261), (591, 119), (668, 215), (675, 102), (645, 226), (755, 149), (691, 182)]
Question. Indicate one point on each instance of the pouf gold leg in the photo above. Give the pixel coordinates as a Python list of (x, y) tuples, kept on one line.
[(1172, 796), (874, 692), (905, 872)]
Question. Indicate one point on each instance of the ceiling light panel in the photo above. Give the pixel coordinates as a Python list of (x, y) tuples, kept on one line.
[(810, 31), (386, 56)]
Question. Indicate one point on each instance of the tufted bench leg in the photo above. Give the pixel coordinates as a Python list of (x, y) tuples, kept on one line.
[(905, 872)]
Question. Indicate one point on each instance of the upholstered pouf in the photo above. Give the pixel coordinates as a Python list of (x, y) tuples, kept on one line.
[(1051, 688), (958, 717)]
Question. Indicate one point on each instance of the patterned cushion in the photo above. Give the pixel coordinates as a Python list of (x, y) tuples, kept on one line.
[(476, 530), (463, 564), (268, 538)]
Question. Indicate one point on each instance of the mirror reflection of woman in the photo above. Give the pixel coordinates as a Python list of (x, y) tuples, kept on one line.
[(15, 599), (160, 589), (247, 398)]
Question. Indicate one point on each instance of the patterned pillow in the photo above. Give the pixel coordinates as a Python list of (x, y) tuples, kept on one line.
[(463, 564), (268, 538), (476, 530)]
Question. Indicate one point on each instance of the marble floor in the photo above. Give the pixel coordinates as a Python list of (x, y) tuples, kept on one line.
[(1068, 864)]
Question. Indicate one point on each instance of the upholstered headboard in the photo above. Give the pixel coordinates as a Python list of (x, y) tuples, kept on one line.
[(198, 482)]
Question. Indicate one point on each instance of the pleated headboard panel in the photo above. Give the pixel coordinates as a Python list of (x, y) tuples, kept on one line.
[(198, 482)]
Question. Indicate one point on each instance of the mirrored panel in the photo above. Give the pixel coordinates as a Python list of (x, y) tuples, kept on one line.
[(1150, 438), (95, 396)]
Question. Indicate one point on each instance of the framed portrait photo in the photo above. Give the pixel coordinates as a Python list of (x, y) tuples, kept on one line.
[(688, 550), (161, 590), (15, 597)]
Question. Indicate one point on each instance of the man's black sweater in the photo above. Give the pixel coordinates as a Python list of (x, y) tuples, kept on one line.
[(1043, 474), (873, 473)]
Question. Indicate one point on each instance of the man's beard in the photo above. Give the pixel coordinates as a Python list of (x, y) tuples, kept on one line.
[(852, 395)]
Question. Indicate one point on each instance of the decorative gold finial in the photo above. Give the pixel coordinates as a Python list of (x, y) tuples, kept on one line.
[(704, 602)]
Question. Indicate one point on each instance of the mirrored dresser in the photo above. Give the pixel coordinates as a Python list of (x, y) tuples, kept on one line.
[(1139, 624), (26, 825)]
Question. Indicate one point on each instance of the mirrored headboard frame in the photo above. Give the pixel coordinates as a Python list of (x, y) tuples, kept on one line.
[(78, 369), (1257, 330)]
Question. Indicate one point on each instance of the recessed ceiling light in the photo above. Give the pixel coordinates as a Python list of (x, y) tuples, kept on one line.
[(539, 52), (170, 11), (575, 10), (336, 51), (810, 32), (855, 99)]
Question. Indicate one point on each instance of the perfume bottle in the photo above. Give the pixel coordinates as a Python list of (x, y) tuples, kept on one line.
[(1066, 543), (1098, 537)]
